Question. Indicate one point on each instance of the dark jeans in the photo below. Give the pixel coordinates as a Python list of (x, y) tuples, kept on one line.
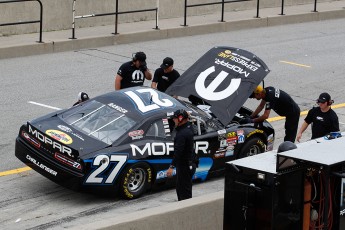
[(291, 126), (184, 173)]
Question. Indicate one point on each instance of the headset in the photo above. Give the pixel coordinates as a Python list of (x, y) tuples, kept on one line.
[(181, 114)]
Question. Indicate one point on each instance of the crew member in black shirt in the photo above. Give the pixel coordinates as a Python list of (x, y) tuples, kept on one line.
[(183, 155), (165, 75), (282, 104), (133, 73), (323, 118)]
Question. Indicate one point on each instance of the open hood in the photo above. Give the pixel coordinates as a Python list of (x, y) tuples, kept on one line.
[(224, 77)]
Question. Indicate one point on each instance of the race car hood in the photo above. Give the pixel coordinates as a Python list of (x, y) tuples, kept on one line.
[(224, 77), (56, 136)]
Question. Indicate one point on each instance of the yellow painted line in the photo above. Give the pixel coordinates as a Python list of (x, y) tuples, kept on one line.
[(14, 171), (272, 119), (293, 63)]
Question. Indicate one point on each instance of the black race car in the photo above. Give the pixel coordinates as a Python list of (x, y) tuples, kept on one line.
[(122, 141)]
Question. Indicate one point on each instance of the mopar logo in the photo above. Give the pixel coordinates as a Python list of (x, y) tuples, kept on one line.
[(209, 92), (160, 149), (48, 141), (137, 76)]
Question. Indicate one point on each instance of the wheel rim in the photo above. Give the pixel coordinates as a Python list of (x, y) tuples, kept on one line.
[(254, 150), (136, 180)]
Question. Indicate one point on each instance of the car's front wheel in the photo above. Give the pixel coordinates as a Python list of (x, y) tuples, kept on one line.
[(135, 180), (252, 147)]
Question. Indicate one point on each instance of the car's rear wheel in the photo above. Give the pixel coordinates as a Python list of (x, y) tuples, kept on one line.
[(252, 147), (135, 180)]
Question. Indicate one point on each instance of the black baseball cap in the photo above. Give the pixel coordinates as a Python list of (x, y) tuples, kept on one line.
[(323, 98), (167, 62), (140, 56)]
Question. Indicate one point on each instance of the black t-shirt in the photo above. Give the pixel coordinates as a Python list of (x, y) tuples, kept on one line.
[(131, 75), (280, 102), (323, 123), (164, 80)]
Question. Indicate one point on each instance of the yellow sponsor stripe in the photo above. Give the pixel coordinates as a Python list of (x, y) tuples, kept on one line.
[(272, 119), (293, 63), (14, 171)]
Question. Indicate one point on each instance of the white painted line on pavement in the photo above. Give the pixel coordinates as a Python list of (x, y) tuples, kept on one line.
[(43, 105)]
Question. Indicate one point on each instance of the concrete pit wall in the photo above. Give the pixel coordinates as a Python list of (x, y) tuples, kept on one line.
[(57, 14)]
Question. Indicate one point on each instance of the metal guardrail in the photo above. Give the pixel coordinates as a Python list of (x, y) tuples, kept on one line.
[(26, 22), (116, 13), (223, 2), (282, 8)]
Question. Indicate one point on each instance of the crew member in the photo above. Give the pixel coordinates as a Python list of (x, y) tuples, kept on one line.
[(165, 75), (183, 159), (282, 104), (133, 73), (323, 118), (81, 98)]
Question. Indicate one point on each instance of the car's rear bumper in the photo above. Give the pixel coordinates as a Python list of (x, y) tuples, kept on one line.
[(45, 166)]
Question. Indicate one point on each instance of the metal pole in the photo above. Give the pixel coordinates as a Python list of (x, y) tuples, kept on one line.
[(257, 8), (222, 18), (185, 13), (41, 20), (116, 15), (157, 13), (73, 19), (282, 13), (315, 6)]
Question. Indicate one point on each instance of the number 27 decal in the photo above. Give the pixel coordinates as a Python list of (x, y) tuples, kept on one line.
[(103, 161)]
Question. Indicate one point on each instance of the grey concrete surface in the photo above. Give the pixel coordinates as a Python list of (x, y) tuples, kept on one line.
[(98, 36), (204, 212)]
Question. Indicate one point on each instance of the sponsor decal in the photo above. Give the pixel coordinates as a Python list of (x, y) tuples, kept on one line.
[(230, 147), (163, 174), (118, 108), (232, 141), (46, 140), (223, 144), (229, 153), (254, 132), (342, 212), (67, 161), (231, 134), (223, 131), (136, 134), (161, 149), (69, 130), (219, 154), (59, 136), (240, 136), (230, 66), (42, 166), (248, 64), (32, 140)]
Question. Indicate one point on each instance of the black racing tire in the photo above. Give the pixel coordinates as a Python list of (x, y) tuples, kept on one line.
[(252, 147), (135, 180)]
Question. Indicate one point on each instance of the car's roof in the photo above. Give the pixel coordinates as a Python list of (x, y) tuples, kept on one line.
[(141, 102)]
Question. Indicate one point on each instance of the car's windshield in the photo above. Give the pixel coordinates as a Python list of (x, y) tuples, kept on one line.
[(98, 120)]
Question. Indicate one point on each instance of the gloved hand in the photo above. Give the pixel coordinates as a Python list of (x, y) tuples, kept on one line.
[(143, 68)]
